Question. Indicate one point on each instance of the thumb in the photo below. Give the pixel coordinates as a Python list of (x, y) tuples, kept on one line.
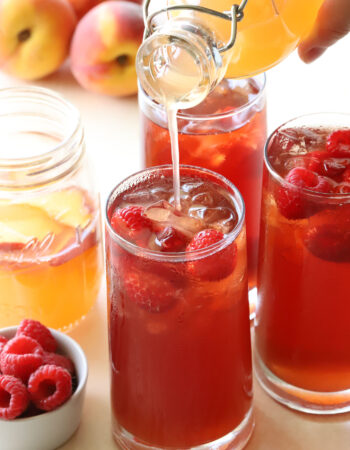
[(332, 23)]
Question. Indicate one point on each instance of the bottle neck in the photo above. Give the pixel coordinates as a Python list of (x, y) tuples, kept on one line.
[(42, 138), (179, 64)]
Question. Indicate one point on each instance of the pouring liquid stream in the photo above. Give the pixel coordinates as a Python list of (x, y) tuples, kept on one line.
[(179, 81), (174, 141)]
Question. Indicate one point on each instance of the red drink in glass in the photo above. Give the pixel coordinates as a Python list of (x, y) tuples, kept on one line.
[(178, 312), (226, 133), (302, 323)]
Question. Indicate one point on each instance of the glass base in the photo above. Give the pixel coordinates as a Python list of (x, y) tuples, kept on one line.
[(253, 297), (235, 440), (303, 400)]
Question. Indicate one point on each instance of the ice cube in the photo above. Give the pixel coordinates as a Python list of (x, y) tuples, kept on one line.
[(190, 187), (298, 161), (163, 214), (221, 218), (202, 193), (225, 225), (159, 212), (146, 196), (204, 198), (139, 197)]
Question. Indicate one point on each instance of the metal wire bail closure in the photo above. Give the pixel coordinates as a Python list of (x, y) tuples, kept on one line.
[(235, 15)]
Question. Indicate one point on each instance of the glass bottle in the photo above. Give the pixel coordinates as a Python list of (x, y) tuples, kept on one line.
[(189, 46)]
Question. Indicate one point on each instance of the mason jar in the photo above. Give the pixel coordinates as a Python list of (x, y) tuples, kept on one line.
[(50, 237)]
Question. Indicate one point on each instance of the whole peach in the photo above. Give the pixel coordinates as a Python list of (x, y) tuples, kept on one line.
[(104, 48), (34, 36), (81, 7)]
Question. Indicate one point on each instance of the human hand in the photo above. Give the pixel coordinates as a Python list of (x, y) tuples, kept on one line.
[(332, 23)]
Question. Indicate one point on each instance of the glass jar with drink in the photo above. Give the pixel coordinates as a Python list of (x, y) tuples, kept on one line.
[(50, 241)]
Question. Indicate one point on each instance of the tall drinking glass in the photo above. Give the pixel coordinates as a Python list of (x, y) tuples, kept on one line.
[(302, 321), (178, 313), (226, 133)]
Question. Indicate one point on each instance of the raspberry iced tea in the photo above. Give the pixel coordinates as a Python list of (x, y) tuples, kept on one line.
[(178, 312), (226, 133), (302, 323)]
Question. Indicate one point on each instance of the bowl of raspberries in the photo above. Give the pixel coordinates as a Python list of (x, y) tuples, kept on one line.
[(43, 375)]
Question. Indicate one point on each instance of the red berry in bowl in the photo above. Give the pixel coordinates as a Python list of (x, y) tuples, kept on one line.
[(38, 332), (20, 357), (338, 143), (3, 341), (14, 397), (150, 291), (49, 387), (214, 267), (55, 359)]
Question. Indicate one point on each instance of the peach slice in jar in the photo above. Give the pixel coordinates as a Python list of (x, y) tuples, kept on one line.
[(29, 230), (70, 206)]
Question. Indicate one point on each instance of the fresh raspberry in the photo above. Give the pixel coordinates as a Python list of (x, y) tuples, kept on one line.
[(314, 161), (217, 266), (302, 178), (38, 332), (338, 143), (334, 167), (171, 240), (346, 175), (328, 234), (324, 185), (3, 342), (14, 398), (55, 359), (150, 291), (292, 202), (49, 387), (20, 357), (130, 220), (343, 188)]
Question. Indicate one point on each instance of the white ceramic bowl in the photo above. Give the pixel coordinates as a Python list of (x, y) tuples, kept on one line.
[(52, 429)]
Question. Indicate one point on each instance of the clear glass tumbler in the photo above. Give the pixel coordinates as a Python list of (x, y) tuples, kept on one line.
[(302, 321), (178, 322), (226, 133)]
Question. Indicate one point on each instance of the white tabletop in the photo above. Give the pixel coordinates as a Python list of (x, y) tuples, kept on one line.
[(112, 135)]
